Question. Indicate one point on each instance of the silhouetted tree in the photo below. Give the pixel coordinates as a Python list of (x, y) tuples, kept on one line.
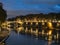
[(3, 14)]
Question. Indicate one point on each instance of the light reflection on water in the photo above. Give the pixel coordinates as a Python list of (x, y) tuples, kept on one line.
[(33, 36)]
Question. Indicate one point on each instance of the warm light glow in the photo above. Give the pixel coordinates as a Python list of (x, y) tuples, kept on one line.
[(36, 23), (31, 30), (26, 29), (50, 38), (31, 23), (59, 21), (42, 32), (57, 35), (42, 20), (58, 24), (39, 20), (43, 23), (4, 24), (20, 22), (45, 20), (20, 29), (26, 22), (50, 25), (50, 32), (49, 20), (36, 30), (35, 20)]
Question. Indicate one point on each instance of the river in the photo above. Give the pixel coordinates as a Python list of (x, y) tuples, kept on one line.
[(23, 39)]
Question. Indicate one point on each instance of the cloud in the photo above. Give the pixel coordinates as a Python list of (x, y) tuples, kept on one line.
[(21, 12), (25, 12), (57, 7), (42, 1), (23, 7)]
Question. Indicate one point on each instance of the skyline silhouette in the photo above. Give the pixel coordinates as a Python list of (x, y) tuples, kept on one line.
[(23, 7)]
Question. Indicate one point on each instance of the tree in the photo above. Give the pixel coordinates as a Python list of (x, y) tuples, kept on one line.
[(3, 14)]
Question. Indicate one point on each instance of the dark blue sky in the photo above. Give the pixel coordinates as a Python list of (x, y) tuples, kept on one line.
[(17, 7)]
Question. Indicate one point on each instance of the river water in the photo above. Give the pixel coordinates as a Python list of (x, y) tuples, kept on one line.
[(23, 39)]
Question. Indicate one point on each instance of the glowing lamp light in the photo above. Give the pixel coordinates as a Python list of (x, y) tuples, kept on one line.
[(50, 25), (50, 32)]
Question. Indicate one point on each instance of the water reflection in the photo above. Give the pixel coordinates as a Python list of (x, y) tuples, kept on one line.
[(4, 34), (36, 34)]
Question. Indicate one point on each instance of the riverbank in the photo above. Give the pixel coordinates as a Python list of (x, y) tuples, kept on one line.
[(3, 35)]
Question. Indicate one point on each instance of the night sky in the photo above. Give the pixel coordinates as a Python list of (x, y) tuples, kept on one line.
[(23, 7)]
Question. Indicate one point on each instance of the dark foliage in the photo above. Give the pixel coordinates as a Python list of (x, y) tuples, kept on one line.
[(3, 14)]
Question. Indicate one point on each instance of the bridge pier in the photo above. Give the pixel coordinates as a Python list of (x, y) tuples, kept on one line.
[(36, 23), (26, 23), (58, 24), (43, 23), (31, 23), (0, 28), (43, 32), (26, 29), (31, 30), (36, 32)]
